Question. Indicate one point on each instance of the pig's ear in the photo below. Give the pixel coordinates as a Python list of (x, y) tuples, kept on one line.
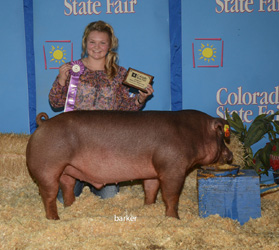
[(222, 127)]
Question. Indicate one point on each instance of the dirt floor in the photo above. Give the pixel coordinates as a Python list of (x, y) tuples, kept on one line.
[(92, 223)]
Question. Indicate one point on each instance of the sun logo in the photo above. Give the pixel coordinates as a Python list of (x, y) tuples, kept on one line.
[(207, 53), (57, 54)]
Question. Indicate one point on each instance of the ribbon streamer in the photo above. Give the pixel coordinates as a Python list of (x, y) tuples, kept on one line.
[(75, 72)]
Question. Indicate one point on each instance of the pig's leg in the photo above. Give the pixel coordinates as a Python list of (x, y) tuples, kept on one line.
[(150, 188), (171, 189), (67, 184), (48, 194)]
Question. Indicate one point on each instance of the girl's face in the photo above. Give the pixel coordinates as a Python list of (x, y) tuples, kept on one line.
[(98, 44)]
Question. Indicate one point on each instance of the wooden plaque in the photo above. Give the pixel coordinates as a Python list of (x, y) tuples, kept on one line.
[(137, 79)]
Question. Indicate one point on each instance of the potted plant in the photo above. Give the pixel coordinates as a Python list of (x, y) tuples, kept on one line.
[(262, 126)]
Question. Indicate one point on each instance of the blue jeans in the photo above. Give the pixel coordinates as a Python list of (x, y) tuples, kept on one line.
[(107, 191)]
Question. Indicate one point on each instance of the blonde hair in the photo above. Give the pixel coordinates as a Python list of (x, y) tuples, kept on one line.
[(111, 66)]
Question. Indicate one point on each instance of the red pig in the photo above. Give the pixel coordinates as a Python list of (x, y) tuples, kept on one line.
[(102, 147)]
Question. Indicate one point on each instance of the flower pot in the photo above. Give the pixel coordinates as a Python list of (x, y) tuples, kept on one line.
[(276, 177), (267, 179)]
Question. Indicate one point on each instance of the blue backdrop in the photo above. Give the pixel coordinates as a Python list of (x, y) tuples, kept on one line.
[(14, 108), (206, 55), (230, 57)]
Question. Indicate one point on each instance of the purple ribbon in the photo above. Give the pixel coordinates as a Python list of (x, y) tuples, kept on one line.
[(75, 72)]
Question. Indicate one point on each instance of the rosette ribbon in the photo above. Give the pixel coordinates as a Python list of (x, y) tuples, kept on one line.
[(75, 72)]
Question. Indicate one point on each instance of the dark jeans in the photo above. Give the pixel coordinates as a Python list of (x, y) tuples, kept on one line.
[(107, 191)]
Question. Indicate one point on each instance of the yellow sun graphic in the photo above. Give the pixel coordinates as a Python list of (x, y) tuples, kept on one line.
[(207, 52), (57, 54)]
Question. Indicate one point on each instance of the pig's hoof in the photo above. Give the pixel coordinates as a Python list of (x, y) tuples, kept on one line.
[(54, 217), (149, 202), (173, 215)]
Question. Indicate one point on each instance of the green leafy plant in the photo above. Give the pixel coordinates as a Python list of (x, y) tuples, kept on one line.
[(262, 126)]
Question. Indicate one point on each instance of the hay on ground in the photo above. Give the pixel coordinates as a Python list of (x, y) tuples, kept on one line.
[(92, 223)]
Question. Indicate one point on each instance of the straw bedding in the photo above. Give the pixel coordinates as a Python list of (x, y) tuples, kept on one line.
[(92, 223)]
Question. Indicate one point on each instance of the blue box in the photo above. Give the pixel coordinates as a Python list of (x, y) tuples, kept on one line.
[(236, 197)]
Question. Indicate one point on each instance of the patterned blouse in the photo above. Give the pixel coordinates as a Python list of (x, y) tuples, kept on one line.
[(96, 92)]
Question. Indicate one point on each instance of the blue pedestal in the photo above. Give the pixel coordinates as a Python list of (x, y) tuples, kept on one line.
[(236, 197)]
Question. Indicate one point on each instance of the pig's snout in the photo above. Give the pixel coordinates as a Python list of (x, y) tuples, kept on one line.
[(226, 157), (229, 156)]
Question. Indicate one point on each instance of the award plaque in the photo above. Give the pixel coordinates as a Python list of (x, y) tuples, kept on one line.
[(137, 79)]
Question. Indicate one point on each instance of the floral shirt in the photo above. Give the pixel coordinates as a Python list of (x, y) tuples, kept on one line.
[(96, 92)]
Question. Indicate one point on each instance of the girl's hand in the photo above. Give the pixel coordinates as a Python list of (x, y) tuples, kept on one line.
[(143, 96), (63, 73)]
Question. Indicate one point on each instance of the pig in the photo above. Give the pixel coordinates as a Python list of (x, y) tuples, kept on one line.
[(102, 147)]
